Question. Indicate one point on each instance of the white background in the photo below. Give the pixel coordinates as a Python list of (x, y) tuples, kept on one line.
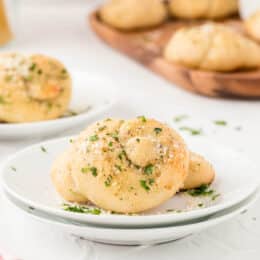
[(60, 29)]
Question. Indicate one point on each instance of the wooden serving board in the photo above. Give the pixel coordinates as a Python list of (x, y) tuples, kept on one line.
[(145, 46)]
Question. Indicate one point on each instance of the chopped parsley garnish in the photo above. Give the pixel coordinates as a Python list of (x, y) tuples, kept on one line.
[(95, 211), (84, 169), (32, 67), (118, 167), (108, 181), (101, 128), (93, 171), (157, 130), (151, 181), (148, 169), (244, 211), (200, 205), (81, 209), (74, 208), (121, 155), (110, 144), (180, 118), (93, 138), (203, 190), (192, 131), (142, 118), (13, 168), (144, 185), (115, 136), (71, 140), (138, 140), (43, 149), (220, 122), (215, 196)]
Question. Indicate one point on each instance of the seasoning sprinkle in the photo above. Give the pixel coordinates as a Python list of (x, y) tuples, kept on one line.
[(180, 118), (144, 185), (203, 190), (13, 168), (142, 118), (81, 209), (118, 167), (32, 67), (148, 169), (43, 149), (93, 138), (94, 171), (192, 131), (220, 122), (157, 130)]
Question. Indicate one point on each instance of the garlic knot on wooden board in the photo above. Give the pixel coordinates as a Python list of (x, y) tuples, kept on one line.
[(212, 47)]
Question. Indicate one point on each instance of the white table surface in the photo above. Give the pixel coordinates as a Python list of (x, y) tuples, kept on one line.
[(60, 29)]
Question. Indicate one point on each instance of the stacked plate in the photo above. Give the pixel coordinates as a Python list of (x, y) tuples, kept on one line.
[(27, 185)]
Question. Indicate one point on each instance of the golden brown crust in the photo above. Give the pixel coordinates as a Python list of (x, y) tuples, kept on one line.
[(200, 172), (252, 26), (110, 170), (32, 88), (213, 9), (133, 14), (212, 47), (62, 180)]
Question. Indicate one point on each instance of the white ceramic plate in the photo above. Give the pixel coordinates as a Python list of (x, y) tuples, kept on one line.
[(142, 236), (26, 177), (90, 98)]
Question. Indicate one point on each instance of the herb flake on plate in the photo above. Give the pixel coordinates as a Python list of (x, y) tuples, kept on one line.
[(220, 122), (180, 118), (43, 149), (142, 118), (192, 131), (203, 191), (13, 168), (81, 209)]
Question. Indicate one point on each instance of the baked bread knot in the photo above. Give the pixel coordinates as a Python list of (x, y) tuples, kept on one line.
[(129, 166), (200, 172), (212, 47), (62, 180), (212, 9), (133, 14), (32, 88), (252, 26)]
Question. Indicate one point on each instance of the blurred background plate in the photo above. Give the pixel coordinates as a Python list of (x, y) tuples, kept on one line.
[(91, 97)]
